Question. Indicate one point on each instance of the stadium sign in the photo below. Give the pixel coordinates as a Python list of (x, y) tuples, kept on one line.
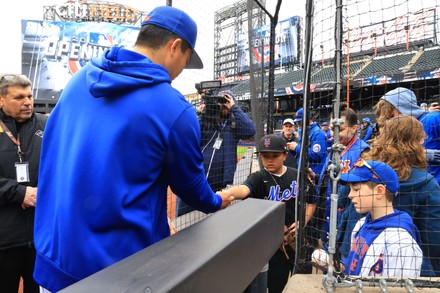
[(52, 51), (83, 10), (287, 40)]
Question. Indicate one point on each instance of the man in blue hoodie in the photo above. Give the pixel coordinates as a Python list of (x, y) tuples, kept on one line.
[(403, 101), (317, 150), (117, 138)]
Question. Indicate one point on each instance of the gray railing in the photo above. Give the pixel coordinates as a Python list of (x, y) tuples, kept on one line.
[(222, 253)]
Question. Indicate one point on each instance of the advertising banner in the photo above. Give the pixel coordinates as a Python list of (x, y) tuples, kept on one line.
[(287, 34), (52, 51)]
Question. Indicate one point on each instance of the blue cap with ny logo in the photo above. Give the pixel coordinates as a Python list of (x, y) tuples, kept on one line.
[(374, 171)]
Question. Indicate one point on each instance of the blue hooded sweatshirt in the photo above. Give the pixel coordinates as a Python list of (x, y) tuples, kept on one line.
[(117, 138), (317, 150), (419, 196), (368, 233)]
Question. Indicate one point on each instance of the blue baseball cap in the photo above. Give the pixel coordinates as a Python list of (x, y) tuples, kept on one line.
[(180, 23), (366, 119), (374, 171), (324, 124), (299, 115)]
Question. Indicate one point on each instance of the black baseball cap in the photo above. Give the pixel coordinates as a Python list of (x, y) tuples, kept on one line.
[(272, 143)]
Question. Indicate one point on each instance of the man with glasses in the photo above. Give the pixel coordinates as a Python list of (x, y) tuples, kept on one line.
[(21, 133), (317, 148)]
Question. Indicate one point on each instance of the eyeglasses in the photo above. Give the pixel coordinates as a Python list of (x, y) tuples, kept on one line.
[(363, 163)]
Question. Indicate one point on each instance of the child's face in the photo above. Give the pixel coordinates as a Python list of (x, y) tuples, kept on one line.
[(273, 162), (361, 194)]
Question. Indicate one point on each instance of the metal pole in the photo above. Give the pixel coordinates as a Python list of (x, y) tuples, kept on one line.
[(303, 157), (329, 280), (270, 99), (348, 68), (273, 24)]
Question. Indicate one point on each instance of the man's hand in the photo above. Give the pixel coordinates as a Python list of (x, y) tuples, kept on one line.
[(227, 198), (433, 155), (30, 198), (292, 145), (311, 176), (434, 107), (201, 108), (229, 102)]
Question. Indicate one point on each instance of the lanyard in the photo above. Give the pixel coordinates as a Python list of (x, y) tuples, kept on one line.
[(352, 141), (14, 140)]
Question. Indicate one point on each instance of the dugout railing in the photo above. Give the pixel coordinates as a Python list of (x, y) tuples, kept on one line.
[(222, 253)]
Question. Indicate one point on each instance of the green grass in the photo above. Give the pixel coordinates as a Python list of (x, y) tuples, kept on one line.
[(241, 150)]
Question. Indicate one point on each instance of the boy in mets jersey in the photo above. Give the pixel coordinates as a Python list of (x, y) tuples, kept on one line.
[(385, 242), (276, 182)]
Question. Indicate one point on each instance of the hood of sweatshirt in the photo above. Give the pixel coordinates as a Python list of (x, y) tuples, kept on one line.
[(398, 219), (119, 71), (418, 179), (404, 100)]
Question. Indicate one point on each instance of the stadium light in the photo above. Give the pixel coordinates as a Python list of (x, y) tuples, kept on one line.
[(322, 54), (407, 36), (374, 36)]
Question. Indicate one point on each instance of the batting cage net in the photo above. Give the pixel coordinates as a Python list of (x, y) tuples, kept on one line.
[(353, 88)]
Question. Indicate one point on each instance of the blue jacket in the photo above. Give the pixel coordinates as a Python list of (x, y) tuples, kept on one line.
[(117, 138), (419, 196), (317, 147), (328, 139), (431, 122), (220, 164), (366, 133)]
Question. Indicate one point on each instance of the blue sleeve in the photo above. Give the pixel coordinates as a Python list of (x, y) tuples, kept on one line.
[(369, 133), (245, 127), (431, 125), (343, 199), (184, 164), (318, 147)]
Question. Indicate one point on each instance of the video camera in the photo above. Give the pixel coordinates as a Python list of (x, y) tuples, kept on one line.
[(206, 89)]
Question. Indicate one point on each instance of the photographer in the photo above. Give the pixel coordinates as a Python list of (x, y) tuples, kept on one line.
[(222, 123)]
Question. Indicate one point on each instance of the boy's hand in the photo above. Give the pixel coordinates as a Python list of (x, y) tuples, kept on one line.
[(320, 258)]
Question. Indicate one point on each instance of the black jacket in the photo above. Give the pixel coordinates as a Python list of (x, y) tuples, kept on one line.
[(292, 159), (16, 224), (220, 165)]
